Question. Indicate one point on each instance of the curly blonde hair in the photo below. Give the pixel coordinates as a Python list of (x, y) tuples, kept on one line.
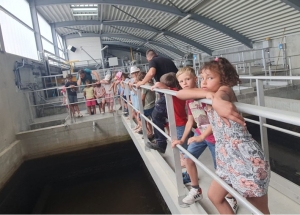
[(225, 69)]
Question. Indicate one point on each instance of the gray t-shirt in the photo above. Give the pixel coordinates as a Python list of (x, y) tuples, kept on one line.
[(149, 99)]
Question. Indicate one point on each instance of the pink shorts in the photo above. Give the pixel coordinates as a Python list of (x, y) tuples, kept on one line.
[(90, 102), (109, 97)]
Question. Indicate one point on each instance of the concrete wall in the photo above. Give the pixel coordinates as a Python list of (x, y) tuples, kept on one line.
[(13, 104), (282, 104), (92, 46), (60, 139)]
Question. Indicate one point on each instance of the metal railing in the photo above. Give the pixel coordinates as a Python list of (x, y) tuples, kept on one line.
[(262, 112)]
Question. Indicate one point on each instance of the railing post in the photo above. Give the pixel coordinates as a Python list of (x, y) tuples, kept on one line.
[(264, 61), (144, 127), (129, 108), (29, 105), (290, 69), (68, 103), (262, 120), (173, 132)]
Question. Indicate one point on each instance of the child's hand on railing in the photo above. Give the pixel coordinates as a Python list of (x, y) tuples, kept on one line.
[(176, 142), (196, 139), (153, 87)]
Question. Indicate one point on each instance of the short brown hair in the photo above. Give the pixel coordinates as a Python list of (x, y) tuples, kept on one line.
[(141, 76), (170, 80), (151, 53), (187, 69), (225, 69)]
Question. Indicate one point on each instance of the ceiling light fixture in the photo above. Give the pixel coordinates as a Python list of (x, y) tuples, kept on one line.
[(79, 33)]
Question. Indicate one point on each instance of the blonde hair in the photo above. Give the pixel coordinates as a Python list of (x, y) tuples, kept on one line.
[(188, 70)]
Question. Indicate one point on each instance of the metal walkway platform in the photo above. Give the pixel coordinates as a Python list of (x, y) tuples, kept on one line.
[(161, 168)]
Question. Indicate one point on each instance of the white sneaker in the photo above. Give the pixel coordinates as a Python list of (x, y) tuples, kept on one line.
[(193, 196), (233, 203)]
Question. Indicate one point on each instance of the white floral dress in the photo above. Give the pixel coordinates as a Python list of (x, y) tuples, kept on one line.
[(240, 159)]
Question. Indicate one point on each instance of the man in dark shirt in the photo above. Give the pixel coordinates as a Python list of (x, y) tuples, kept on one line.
[(72, 96), (86, 74), (158, 67)]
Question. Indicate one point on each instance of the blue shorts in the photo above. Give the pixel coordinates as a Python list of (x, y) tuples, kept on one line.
[(148, 112), (197, 148), (180, 131)]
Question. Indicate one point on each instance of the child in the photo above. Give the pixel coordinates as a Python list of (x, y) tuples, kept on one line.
[(99, 93), (88, 93), (240, 160), (72, 96), (159, 114), (196, 145), (109, 95), (148, 99), (134, 71), (124, 91)]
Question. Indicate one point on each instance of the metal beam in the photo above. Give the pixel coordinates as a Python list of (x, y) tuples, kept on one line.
[(121, 48), (54, 38), (117, 43), (135, 25), (126, 36), (65, 48), (164, 8), (293, 3), (36, 27)]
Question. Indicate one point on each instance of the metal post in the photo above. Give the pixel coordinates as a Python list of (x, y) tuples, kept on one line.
[(128, 106), (144, 127), (262, 120), (29, 105), (54, 38), (173, 132), (65, 48), (250, 74), (243, 62), (290, 69), (36, 27), (264, 61), (68, 103)]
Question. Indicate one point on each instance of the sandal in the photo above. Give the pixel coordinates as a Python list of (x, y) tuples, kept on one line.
[(80, 115)]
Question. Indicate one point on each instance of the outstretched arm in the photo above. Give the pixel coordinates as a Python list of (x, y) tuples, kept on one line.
[(195, 93), (222, 104), (197, 139), (150, 74), (96, 75)]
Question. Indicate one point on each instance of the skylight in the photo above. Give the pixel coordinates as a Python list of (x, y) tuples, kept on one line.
[(84, 9)]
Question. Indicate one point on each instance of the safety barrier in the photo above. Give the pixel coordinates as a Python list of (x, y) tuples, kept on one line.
[(262, 112)]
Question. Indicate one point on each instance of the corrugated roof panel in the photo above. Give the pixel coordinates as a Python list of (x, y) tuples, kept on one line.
[(56, 13), (252, 18)]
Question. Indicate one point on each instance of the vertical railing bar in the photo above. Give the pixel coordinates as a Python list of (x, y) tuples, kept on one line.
[(128, 106), (29, 105), (144, 127), (173, 132), (68, 103), (262, 120), (290, 68)]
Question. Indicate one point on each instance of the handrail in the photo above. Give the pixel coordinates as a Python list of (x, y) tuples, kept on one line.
[(262, 112), (269, 77)]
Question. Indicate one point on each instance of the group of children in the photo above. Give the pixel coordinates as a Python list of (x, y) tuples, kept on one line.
[(237, 157)]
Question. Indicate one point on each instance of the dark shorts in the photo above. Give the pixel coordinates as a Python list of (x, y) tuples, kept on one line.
[(72, 99), (148, 112), (126, 99)]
